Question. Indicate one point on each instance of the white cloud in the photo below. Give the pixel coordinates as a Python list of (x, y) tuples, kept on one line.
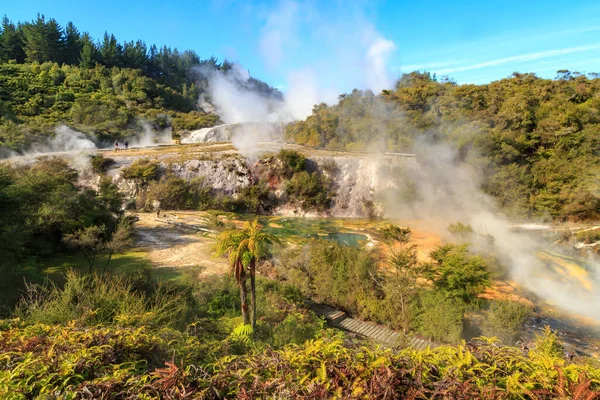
[(522, 57), (429, 66)]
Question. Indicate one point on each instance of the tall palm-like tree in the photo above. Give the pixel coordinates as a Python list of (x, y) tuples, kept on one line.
[(244, 247)]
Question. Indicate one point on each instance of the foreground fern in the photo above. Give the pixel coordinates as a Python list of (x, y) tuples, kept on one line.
[(73, 362)]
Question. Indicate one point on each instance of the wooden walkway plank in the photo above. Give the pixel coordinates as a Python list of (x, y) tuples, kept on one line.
[(345, 323), (369, 331), (357, 327), (364, 328), (378, 333)]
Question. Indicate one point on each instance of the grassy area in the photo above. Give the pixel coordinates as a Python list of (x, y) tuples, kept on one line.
[(130, 261), (177, 153)]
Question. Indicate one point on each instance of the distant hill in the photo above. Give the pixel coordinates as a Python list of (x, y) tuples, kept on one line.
[(51, 75)]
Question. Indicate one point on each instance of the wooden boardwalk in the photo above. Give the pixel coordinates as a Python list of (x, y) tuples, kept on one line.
[(378, 333)]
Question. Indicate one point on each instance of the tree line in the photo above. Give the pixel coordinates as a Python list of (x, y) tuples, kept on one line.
[(45, 40)]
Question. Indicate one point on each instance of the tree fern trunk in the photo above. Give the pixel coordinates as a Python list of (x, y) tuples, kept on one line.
[(243, 297), (253, 293)]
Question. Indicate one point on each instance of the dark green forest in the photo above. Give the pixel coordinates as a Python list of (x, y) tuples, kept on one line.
[(51, 74), (536, 141)]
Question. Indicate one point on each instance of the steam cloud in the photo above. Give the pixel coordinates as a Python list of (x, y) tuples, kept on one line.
[(77, 146), (354, 51), (65, 139), (73, 145), (442, 191), (151, 137)]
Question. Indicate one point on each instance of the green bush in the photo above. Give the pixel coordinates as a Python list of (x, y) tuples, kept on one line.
[(142, 170), (292, 162), (505, 319), (172, 192), (547, 346), (588, 235), (334, 274), (193, 120), (100, 164), (459, 274), (296, 328), (93, 299), (438, 317), (310, 190), (257, 198)]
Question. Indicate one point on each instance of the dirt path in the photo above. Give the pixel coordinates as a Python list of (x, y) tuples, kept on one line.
[(170, 246)]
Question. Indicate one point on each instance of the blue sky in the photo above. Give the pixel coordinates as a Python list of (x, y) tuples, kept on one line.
[(470, 41)]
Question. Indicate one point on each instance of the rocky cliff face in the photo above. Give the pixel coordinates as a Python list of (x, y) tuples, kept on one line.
[(224, 174), (358, 181)]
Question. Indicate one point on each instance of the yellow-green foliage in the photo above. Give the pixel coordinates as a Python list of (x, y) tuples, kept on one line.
[(142, 170), (104, 100), (39, 361)]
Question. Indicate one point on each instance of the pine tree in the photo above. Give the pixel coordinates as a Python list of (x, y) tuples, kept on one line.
[(135, 55), (11, 42), (55, 42), (43, 40), (87, 56), (73, 44), (111, 51)]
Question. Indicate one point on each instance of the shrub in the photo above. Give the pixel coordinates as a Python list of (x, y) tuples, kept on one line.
[(504, 319), (292, 162), (547, 346), (101, 164), (459, 274), (460, 230), (142, 170), (172, 192), (92, 299), (296, 328), (218, 297), (588, 235), (394, 233), (310, 190), (438, 317), (334, 274), (257, 198)]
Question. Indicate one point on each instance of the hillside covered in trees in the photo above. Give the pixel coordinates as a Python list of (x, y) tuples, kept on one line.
[(537, 141), (51, 75)]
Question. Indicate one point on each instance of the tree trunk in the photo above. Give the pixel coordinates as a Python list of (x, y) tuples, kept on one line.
[(243, 296), (107, 262), (253, 293)]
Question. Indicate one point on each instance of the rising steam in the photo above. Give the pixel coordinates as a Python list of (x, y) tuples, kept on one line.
[(77, 146), (354, 51), (443, 190)]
